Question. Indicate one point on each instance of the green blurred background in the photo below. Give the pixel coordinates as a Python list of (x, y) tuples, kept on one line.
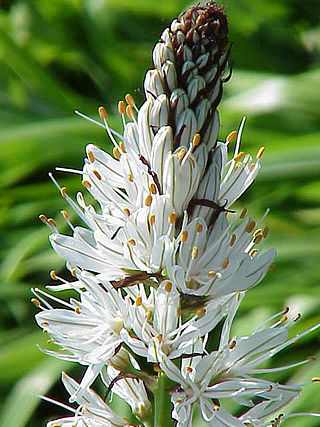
[(59, 55)]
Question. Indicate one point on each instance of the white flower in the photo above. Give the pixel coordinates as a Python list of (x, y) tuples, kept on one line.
[(88, 330), (92, 411), (229, 372)]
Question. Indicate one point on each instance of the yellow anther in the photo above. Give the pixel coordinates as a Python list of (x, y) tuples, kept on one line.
[(199, 228), (232, 344), (130, 100), (179, 400), (168, 286), (184, 236), (257, 232), (121, 145), (237, 165), (253, 252), (152, 219), (43, 218), (316, 380), (180, 155), (243, 213), (126, 212), (132, 242), (239, 156), (253, 165), (153, 188), (121, 107), (52, 222), (195, 252), (50, 341), (130, 177), (36, 302), (148, 200), (63, 192), (91, 156), (74, 272), (196, 140), (130, 112), (53, 275), (257, 239), (201, 312), (260, 152), (103, 113), (86, 183), (56, 425), (272, 267), (65, 214), (139, 301), (178, 311), (225, 263), (212, 274), (189, 369), (77, 310), (157, 368), (116, 153), (96, 173), (159, 338), (298, 317), (250, 226), (286, 310), (232, 136), (283, 319), (265, 232), (233, 239), (172, 217), (149, 315)]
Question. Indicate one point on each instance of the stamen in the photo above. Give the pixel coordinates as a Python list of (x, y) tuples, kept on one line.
[(96, 173), (130, 177), (195, 252), (86, 183), (126, 212), (53, 275), (257, 239), (66, 217), (260, 152), (36, 302), (257, 232), (152, 219), (180, 155), (199, 228), (233, 239), (121, 107), (232, 344), (139, 301), (239, 156), (189, 369), (172, 218), (232, 136), (77, 310), (265, 232), (130, 100), (74, 272), (225, 263), (212, 274), (253, 252), (116, 153), (132, 242), (196, 140), (153, 188), (243, 213), (121, 145), (184, 236), (91, 156), (168, 286), (250, 226), (130, 112), (103, 114), (159, 338), (148, 200), (253, 165)]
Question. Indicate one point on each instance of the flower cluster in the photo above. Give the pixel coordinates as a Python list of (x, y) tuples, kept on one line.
[(160, 260)]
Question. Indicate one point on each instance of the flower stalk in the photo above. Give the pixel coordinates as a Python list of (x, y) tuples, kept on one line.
[(165, 262)]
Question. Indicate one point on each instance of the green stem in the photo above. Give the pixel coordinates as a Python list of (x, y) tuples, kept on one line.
[(162, 403)]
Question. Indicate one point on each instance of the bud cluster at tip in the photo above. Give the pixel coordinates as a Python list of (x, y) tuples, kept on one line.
[(190, 61)]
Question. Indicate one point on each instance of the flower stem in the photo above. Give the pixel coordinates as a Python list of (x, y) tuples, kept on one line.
[(162, 403)]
